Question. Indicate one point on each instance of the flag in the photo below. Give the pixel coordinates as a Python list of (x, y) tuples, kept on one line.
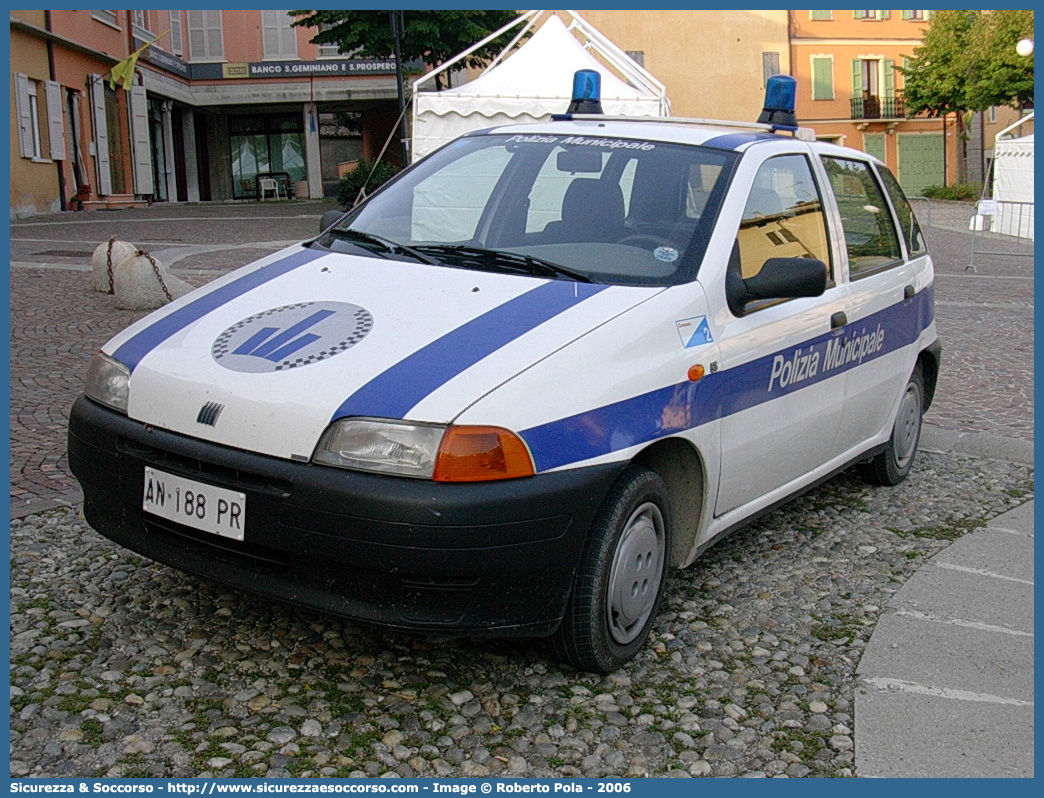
[(125, 69)]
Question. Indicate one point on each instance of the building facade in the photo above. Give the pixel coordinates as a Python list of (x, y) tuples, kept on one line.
[(850, 90), (218, 101)]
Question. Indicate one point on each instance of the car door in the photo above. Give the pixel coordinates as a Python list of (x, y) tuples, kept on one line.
[(885, 304), (780, 411)]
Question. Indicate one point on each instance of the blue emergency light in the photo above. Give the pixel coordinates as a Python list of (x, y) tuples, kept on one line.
[(780, 95), (587, 92)]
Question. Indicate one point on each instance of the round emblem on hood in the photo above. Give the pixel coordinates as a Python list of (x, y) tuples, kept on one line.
[(291, 336)]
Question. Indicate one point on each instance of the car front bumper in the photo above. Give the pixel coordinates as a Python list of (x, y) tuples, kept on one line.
[(479, 559)]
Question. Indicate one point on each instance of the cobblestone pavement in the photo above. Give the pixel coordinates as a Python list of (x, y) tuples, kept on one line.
[(122, 667)]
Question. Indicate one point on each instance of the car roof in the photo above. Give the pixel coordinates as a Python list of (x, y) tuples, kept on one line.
[(725, 135)]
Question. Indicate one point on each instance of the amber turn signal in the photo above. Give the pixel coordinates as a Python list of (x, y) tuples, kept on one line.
[(481, 454), (696, 373)]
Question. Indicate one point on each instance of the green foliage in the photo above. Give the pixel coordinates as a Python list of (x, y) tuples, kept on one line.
[(967, 62), (430, 36), (360, 176), (962, 192)]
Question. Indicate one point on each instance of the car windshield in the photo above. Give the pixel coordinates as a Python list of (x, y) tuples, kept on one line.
[(605, 210)]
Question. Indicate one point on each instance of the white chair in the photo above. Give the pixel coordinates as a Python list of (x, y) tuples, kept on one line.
[(266, 184)]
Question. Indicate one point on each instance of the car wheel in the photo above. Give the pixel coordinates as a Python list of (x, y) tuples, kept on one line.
[(621, 576), (892, 465)]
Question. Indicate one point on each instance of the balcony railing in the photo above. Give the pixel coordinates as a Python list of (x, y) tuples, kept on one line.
[(872, 106)]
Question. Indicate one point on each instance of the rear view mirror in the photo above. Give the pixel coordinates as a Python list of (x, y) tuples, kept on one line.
[(582, 161), (329, 219), (779, 278)]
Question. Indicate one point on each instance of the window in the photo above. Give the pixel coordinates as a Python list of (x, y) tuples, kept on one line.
[(39, 138), (991, 114), (328, 50), (140, 24), (918, 16), (869, 232), (871, 14), (820, 14), (205, 36), (108, 17), (638, 56), (769, 66), (177, 45), (822, 77), (783, 217), (907, 221), (278, 37)]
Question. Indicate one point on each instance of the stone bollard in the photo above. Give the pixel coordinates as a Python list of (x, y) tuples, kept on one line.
[(104, 260), (142, 283)]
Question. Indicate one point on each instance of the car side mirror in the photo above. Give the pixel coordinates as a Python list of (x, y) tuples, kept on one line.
[(329, 219), (779, 278)]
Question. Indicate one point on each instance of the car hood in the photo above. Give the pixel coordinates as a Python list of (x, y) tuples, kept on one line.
[(264, 358)]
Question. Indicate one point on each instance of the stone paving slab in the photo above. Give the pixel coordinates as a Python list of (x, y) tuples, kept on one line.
[(993, 551), (945, 655), (942, 738)]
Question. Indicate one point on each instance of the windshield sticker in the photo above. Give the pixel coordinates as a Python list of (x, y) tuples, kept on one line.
[(291, 336), (694, 332), (580, 141), (666, 254)]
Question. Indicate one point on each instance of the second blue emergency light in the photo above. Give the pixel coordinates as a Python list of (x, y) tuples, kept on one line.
[(780, 95), (587, 92)]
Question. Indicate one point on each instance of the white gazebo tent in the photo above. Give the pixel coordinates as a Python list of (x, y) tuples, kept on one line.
[(1013, 183), (530, 82)]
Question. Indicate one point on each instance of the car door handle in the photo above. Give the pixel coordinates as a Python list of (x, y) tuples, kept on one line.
[(838, 320)]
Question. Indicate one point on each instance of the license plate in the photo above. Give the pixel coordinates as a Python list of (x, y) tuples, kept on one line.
[(195, 504)]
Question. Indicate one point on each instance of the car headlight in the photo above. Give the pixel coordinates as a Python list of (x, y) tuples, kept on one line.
[(108, 382), (426, 451)]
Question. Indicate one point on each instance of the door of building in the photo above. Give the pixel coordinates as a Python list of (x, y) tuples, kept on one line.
[(921, 162)]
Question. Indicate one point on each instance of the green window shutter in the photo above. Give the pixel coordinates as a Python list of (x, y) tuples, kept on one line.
[(884, 14), (907, 15), (857, 15), (822, 79), (857, 77), (820, 14), (889, 77)]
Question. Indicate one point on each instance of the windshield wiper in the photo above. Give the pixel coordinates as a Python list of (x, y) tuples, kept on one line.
[(499, 258), (386, 244)]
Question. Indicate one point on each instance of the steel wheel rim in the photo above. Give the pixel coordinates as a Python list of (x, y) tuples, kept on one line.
[(907, 426), (636, 573)]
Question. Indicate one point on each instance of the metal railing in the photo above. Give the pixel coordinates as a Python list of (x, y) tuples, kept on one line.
[(999, 221), (873, 106)]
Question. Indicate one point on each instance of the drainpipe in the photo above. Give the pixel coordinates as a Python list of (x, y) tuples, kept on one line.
[(50, 70)]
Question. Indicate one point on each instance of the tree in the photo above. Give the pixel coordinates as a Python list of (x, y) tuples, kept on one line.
[(431, 36), (967, 62)]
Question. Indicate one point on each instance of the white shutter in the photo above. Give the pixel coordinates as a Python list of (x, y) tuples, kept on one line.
[(288, 35), (215, 45), (101, 136), (176, 45), (139, 117), (55, 121), (270, 34), (25, 115), (197, 35)]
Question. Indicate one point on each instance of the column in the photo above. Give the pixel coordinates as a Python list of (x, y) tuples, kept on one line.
[(188, 127), (312, 158)]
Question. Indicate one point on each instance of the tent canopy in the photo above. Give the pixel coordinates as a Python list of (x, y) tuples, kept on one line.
[(533, 82), (1013, 183)]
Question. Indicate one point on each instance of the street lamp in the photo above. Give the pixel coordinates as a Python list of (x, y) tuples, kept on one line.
[(1024, 47)]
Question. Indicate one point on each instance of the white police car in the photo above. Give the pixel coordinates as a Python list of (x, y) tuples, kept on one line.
[(510, 389)]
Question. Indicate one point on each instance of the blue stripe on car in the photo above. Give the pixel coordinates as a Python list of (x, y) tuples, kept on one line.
[(677, 408), (395, 391), (132, 351)]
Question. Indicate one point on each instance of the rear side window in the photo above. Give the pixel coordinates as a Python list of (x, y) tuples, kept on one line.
[(870, 235), (907, 220), (783, 217)]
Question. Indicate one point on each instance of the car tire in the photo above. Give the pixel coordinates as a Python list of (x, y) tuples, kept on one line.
[(892, 465), (621, 576)]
